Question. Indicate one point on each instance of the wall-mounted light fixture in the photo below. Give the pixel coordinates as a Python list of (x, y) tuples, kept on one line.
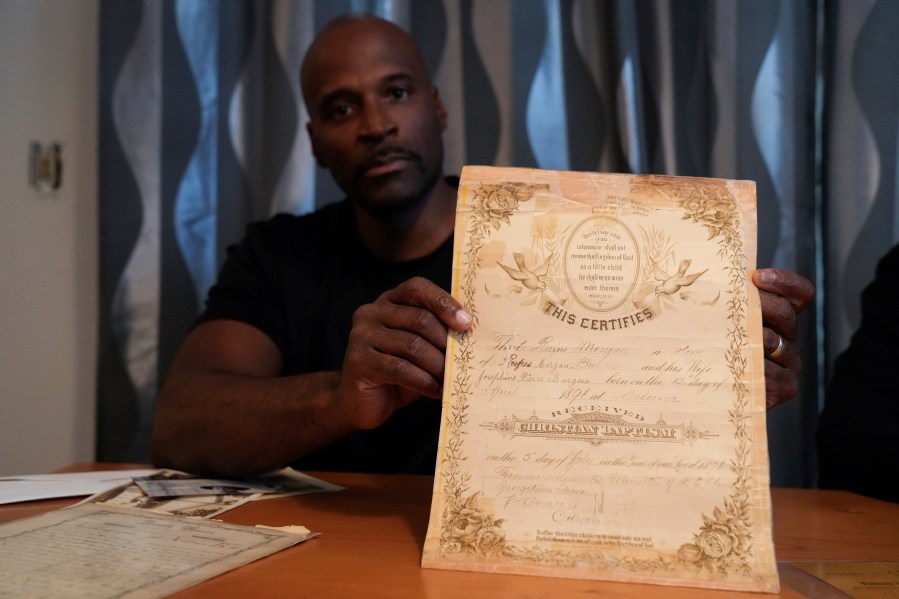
[(45, 166)]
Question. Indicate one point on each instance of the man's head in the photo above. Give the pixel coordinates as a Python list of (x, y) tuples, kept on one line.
[(375, 120)]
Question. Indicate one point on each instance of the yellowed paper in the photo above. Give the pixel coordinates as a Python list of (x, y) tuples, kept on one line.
[(97, 551), (605, 416)]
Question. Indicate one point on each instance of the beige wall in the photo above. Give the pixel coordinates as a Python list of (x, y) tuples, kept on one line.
[(48, 241)]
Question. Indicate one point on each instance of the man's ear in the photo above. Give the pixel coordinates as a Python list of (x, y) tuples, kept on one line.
[(441, 109), (311, 131)]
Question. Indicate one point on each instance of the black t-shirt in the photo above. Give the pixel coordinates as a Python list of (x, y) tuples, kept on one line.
[(858, 431), (299, 279)]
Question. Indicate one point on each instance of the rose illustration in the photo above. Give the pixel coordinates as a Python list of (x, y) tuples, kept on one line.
[(715, 543), (499, 203), (689, 553), (692, 206), (466, 524), (490, 539)]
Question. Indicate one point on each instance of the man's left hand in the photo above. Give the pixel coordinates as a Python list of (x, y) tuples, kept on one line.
[(784, 296)]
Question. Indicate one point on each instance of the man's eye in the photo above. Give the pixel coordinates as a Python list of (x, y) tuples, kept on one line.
[(339, 111), (399, 93)]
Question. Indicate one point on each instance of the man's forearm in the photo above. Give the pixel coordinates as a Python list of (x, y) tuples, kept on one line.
[(233, 425)]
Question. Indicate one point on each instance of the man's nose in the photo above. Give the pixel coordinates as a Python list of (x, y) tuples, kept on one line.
[(376, 122)]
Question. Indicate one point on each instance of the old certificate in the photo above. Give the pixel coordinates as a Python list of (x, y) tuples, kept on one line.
[(605, 416), (99, 551)]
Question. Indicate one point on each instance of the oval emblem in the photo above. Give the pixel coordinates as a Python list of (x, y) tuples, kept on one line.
[(602, 262)]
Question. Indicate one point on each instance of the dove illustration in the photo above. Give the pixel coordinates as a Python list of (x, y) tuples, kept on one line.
[(532, 279), (671, 284)]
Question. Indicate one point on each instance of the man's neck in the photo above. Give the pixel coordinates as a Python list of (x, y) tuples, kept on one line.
[(411, 233)]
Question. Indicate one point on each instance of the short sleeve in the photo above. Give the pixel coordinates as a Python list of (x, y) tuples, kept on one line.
[(249, 285)]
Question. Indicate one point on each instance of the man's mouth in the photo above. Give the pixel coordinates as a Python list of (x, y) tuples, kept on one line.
[(386, 162)]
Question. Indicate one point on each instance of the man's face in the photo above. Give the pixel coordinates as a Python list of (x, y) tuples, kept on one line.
[(375, 120)]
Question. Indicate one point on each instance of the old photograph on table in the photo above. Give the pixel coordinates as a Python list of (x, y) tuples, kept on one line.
[(605, 416), (131, 495)]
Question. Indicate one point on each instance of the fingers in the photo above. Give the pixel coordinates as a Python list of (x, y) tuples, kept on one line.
[(783, 296), (399, 345), (774, 345), (781, 350), (778, 314), (396, 350), (781, 384), (423, 293), (377, 366), (795, 288), (414, 318)]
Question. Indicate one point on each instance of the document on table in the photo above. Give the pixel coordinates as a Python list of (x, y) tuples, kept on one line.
[(605, 416), (284, 482), (131, 495), (70, 484), (99, 551)]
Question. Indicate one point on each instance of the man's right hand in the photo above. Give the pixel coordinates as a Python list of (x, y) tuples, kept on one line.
[(396, 351), (225, 394)]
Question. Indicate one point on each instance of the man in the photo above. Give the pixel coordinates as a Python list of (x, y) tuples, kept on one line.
[(322, 344)]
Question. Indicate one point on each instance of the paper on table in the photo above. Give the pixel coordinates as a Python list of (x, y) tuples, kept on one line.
[(99, 551), (292, 482), (164, 488), (605, 416), (132, 495), (70, 484)]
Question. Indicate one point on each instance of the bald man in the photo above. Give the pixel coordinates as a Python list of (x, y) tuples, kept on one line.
[(322, 342)]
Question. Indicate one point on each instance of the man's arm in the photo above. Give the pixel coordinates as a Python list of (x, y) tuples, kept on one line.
[(225, 410), (784, 296)]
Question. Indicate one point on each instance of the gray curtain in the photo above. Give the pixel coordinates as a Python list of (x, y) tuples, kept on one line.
[(202, 131), (861, 155)]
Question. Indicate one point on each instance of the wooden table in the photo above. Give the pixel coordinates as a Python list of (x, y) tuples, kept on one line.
[(373, 532)]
